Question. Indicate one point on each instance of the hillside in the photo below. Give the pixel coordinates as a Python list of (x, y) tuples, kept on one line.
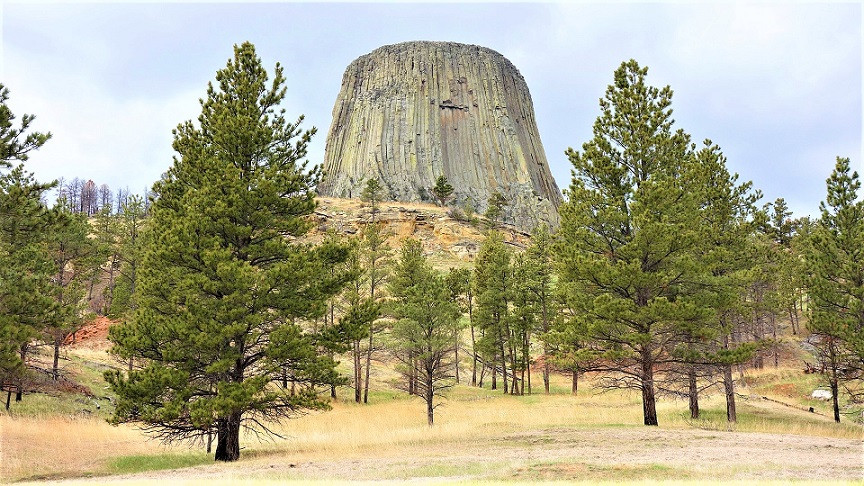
[(480, 434), (449, 242)]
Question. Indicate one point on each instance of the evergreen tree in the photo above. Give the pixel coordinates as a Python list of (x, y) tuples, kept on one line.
[(495, 208), (703, 348), (26, 298), (26, 294), (459, 282), (493, 288), (359, 314), (442, 190), (223, 285), (525, 316), (427, 322), (538, 282), (127, 255), (373, 193), (375, 257), (15, 143), (835, 260), (406, 275), (632, 235), (72, 252)]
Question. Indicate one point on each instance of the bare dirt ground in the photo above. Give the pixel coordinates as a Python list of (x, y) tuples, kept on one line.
[(610, 453), (93, 334)]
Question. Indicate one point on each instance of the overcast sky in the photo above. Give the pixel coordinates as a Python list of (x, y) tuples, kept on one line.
[(778, 86)]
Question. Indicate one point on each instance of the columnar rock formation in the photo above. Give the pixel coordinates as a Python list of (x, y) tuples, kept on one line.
[(408, 113)]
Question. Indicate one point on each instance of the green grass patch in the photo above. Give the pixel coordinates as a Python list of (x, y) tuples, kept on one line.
[(141, 463), (574, 471)]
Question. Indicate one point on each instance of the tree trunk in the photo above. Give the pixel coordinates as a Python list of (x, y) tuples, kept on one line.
[(774, 336), (209, 440), (649, 406), (494, 374), (793, 314), (456, 351), (834, 392), (473, 347), (482, 373), (228, 442), (358, 386), (411, 372), (513, 367), (545, 347), (693, 393), (368, 365), (332, 355), (575, 386), (18, 391), (109, 298), (546, 368), (8, 398), (729, 386), (833, 379), (430, 404), (55, 369), (504, 367)]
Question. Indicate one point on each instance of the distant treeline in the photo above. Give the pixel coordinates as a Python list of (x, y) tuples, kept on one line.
[(87, 197)]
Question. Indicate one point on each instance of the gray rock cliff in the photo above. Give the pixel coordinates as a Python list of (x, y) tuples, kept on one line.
[(408, 113)]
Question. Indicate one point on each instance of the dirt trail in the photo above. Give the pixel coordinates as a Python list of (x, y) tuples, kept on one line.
[(610, 453)]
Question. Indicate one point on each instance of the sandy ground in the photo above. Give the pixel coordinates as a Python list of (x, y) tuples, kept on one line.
[(610, 453)]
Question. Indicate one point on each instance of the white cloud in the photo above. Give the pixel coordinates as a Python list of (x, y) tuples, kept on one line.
[(95, 136)]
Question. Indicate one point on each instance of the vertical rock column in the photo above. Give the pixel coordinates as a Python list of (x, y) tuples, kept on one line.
[(408, 113)]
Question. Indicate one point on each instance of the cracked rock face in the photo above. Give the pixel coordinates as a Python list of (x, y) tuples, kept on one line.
[(408, 113)]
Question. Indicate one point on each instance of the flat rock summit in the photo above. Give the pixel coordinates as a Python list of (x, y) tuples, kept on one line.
[(410, 112)]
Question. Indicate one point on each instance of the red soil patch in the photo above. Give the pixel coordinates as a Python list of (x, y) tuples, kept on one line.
[(93, 334)]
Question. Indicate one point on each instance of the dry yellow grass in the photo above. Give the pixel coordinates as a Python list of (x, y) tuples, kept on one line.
[(392, 428), (62, 447)]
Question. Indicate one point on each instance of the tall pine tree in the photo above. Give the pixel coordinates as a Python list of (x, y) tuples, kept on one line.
[(835, 260), (26, 298), (632, 235), (223, 285)]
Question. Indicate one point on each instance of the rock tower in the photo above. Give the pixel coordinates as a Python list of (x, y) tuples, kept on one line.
[(408, 113)]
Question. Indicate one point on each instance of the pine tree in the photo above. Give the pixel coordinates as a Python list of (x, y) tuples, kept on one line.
[(493, 288), (126, 256), (375, 257), (427, 322), (495, 208), (25, 266), (73, 254), (223, 285), (525, 316), (835, 283), (459, 283), (632, 235), (703, 347), (442, 190), (405, 277), (373, 193), (15, 143)]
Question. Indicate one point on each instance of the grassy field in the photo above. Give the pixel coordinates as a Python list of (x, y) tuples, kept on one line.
[(479, 434)]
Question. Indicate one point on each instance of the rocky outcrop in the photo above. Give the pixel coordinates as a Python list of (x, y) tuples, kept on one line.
[(447, 241), (408, 113)]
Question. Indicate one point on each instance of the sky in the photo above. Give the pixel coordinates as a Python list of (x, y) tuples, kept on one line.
[(777, 85)]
